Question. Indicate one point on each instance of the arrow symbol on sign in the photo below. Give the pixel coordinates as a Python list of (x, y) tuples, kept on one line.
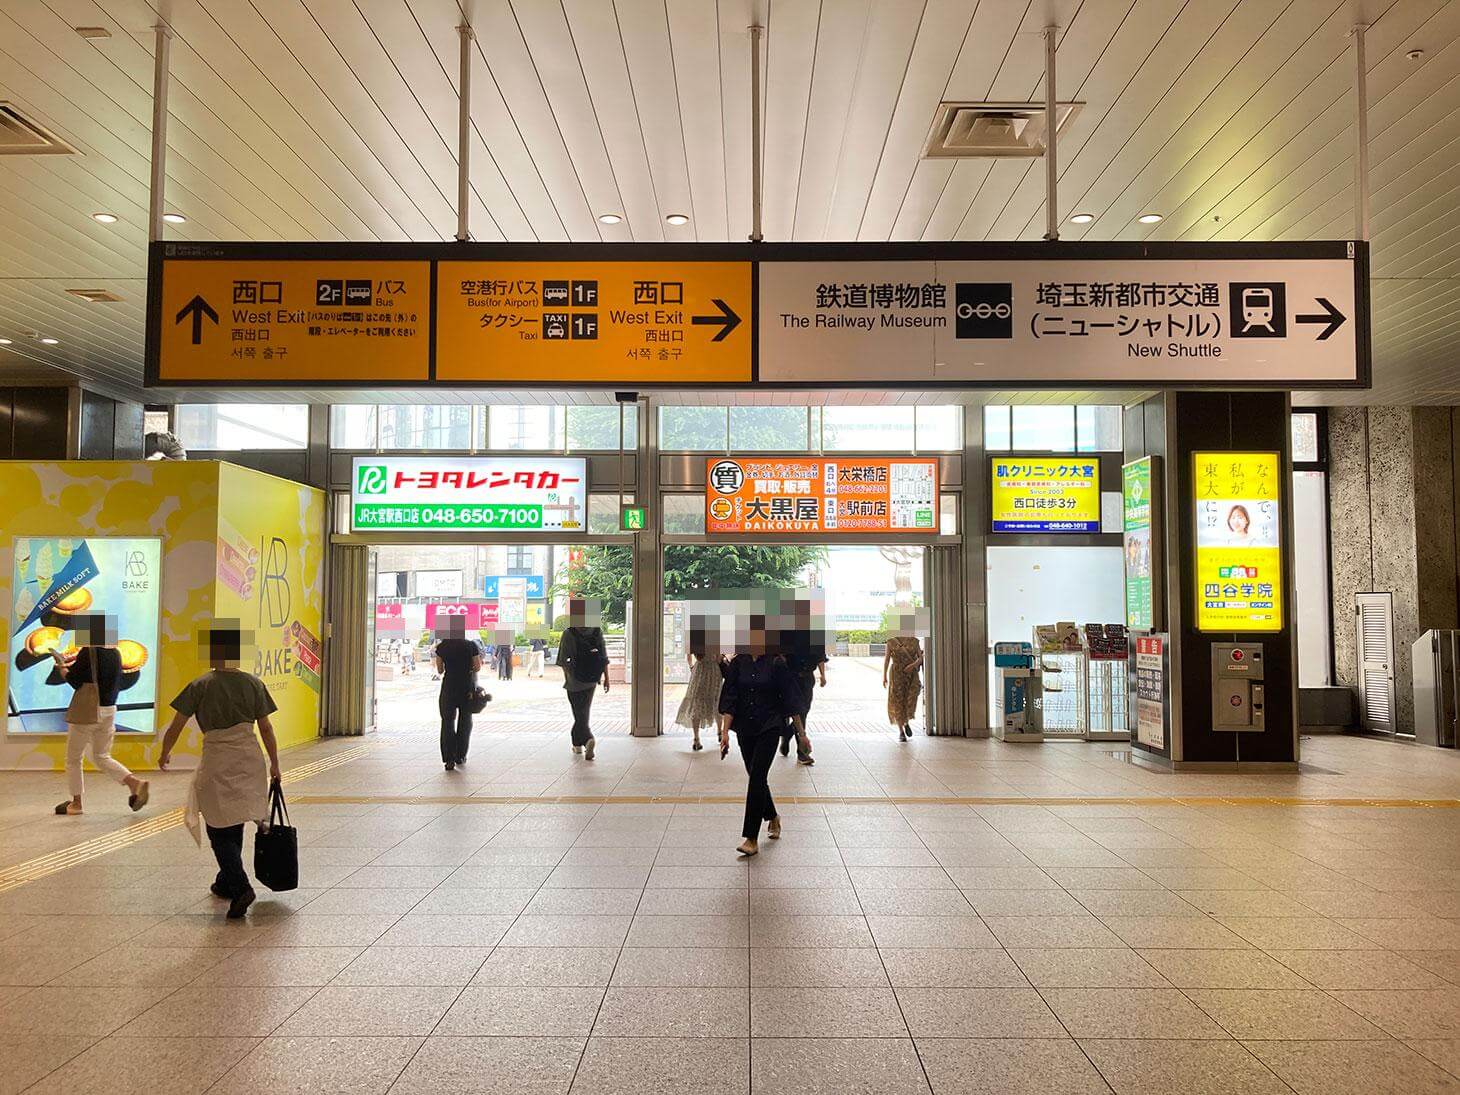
[(727, 319), (1330, 315), (197, 308)]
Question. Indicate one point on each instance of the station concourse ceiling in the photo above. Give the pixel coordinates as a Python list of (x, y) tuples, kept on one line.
[(321, 120)]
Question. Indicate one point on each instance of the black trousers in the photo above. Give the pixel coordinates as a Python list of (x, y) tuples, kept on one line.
[(227, 843), (759, 752), (455, 727), (581, 701)]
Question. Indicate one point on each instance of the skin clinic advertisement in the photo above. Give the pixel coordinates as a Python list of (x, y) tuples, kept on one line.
[(1137, 484), (60, 585), (1029, 494), (1238, 497)]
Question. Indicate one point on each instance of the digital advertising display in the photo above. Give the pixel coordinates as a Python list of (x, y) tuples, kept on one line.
[(777, 495), (60, 582), (469, 494), (1037, 494), (1138, 483), (1238, 500)]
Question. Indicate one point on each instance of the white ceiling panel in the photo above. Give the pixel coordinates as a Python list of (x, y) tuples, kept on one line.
[(335, 120)]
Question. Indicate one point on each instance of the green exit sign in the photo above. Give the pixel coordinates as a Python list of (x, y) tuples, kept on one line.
[(632, 518)]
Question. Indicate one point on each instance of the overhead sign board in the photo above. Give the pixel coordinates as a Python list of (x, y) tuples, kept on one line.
[(1035, 495), (536, 586), (468, 494), (1238, 501), (778, 495), (922, 315), (1140, 541)]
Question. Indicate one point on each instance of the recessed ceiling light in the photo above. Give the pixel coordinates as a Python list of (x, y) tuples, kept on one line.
[(1082, 218), (1149, 218), (93, 32), (1416, 55), (609, 218), (4, 342), (51, 341), (677, 218), (104, 218), (174, 218)]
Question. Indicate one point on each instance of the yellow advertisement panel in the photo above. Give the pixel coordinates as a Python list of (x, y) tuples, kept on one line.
[(270, 571), (1035, 495), (348, 321), (1238, 501), (566, 322)]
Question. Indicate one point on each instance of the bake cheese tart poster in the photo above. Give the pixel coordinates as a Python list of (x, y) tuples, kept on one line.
[(62, 585)]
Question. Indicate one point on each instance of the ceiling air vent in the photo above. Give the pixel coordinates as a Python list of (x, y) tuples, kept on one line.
[(96, 296), (19, 136), (992, 129)]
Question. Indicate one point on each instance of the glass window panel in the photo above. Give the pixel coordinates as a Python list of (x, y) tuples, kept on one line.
[(603, 514), (1042, 429), (867, 429), (996, 435), (1310, 577), (235, 427), (692, 429), (593, 429), (1305, 438), (684, 514), (1099, 429), (536, 428), (948, 515), (425, 427), (352, 426), (940, 429), (761, 429)]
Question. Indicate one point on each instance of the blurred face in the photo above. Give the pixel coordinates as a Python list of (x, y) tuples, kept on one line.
[(1237, 520)]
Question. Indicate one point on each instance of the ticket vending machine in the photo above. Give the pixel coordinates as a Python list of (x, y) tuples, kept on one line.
[(1237, 688)]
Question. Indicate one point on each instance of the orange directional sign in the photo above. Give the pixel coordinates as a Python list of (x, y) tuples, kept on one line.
[(569, 322), (245, 321)]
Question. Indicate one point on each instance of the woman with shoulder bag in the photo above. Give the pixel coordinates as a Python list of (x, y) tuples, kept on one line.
[(91, 718), (231, 785)]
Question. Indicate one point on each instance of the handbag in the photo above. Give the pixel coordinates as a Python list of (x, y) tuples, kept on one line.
[(478, 699), (85, 706), (276, 846)]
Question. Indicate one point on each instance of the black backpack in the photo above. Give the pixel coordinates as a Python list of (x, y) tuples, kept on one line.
[(589, 660)]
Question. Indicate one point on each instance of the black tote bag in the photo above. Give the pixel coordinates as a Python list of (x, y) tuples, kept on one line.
[(276, 846)]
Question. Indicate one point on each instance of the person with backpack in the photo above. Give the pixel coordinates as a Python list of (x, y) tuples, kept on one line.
[(584, 659), (457, 661)]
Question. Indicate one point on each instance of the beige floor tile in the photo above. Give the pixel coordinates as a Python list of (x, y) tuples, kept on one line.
[(479, 876), (814, 930), (1203, 878), (836, 1066), (673, 1013), (570, 901), (1414, 932), (1154, 1067), (1000, 878), (366, 1010), (76, 1011), (1178, 932), (1294, 933), (264, 966), (28, 1057), (386, 877), (1223, 969), (492, 1066), (146, 1066), (567, 931), (1265, 903), (1130, 1013), (887, 857), (977, 1013), (130, 964), (667, 902), (1009, 1066), (36, 965), (306, 1066), (355, 902), (928, 967), (1352, 1068), (825, 1013), (1283, 1014), (931, 931), (1120, 903), (835, 901), (380, 965), (1086, 967), (597, 876), (719, 877), (812, 967), (1444, 1052), (1362, 903), (684, 967), (1024, 903), (656, 1066), (1444, 963), (215, 931), (450, 901), (893, 902), (770, 876), (1103, 878), (553, 967), (1409, 1013), (1052, 931), (324, 931), (891, 878), (689, 930), (218, 1011), (421, 930), (483, 1010), (1358, 970)]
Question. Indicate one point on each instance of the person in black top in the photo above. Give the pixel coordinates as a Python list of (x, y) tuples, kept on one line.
[(584, 660), (457, 659), (805, 652), (757, 700), (97, 663)]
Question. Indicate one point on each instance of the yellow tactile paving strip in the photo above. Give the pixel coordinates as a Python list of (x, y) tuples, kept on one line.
[(125, 837)]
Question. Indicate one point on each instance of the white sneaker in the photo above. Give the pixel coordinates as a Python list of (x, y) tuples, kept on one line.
[(577, 749)]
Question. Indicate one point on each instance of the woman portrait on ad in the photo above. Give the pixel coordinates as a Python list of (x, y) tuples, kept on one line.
[(1239, 526)]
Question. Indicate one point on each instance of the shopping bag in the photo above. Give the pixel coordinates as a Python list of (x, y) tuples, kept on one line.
[(276, 846)]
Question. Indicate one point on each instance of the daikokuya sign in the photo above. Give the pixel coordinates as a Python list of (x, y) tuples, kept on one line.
[(773, 495), (469, 494)]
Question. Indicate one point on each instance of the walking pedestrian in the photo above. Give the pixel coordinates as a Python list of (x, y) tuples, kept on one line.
[(504, 660), (537, 657), (900, 676), (756, 701), (231, 785), (806, 657), (457, 661), (701, 703), (96, 676), (584, 659)]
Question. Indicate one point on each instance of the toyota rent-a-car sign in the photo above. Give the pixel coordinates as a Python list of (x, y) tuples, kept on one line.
[(468, 494)]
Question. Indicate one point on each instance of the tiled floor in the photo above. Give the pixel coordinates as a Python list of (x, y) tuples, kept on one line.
[(1141, 940)]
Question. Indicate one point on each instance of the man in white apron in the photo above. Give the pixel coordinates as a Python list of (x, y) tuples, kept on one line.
[(231, 785)]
